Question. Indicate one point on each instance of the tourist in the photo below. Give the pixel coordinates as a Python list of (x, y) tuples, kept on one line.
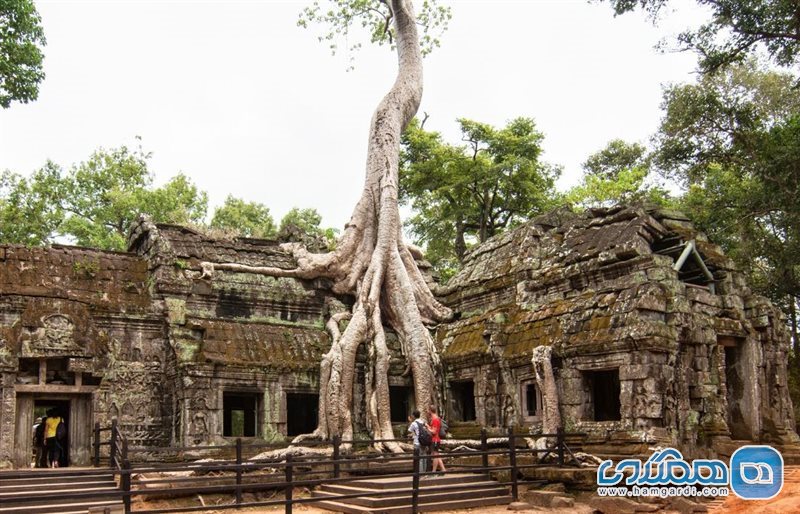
[(51, 438), (40, 455), (416, 423), (435, 428)]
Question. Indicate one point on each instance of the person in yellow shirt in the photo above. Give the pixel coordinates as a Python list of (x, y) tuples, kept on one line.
[(51, 437)]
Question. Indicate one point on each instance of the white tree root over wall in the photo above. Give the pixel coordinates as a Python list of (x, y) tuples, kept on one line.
[(546, 381), (373, 264)]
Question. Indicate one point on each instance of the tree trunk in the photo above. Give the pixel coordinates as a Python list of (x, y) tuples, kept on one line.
[(460, 244), (373, 264)]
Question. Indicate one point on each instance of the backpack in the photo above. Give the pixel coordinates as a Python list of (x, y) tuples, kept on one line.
[(61, 430), (443, 428), (424, 436)]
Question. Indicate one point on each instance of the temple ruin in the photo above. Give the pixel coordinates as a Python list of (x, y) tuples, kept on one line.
[(655, 339)]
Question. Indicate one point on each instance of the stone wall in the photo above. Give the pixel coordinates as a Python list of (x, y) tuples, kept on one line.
[(601, 289)]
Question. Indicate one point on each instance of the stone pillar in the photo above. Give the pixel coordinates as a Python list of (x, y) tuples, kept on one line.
[(8, 409)]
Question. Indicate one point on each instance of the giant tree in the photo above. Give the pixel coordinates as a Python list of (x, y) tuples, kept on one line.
[(371, 262)]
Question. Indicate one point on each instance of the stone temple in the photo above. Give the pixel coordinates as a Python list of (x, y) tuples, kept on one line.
[(656, 340)]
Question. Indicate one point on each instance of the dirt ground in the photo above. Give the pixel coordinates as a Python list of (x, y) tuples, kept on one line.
[(787, 501)]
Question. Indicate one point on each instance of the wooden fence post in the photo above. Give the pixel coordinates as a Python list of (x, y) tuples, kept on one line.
[(415, 482), (288, 470), (126, 477), (512, 457), (238, 471), (97, 444), (484, 449), (560, 445), (337, 440)]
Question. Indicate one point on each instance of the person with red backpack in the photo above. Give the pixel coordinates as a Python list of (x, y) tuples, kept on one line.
[(436, 431)]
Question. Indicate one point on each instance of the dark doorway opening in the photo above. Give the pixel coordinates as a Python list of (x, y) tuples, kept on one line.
[(463, 400), (55, 409), (301, 413), (240, 414), (735, 392), (605, 390), (400, 402), (531, 400)]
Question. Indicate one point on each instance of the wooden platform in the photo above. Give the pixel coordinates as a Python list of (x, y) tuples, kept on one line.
[(393, 495)]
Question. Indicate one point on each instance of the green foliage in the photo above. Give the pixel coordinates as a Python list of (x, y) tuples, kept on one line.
[(735, 30), (304, 225), (95, 202), (103, 196), (463, 194), (29, 207), (720, 119), (733, 139), (616, 174), (247, 219), (340, 17), (21, 39)]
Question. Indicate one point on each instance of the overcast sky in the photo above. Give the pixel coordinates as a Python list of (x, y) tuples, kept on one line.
[(244, 102)]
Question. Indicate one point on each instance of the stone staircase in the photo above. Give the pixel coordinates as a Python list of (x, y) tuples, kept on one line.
[(393, 496), (37, 491)]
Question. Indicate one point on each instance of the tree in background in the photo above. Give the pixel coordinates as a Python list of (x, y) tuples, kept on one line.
[(305, 225), (617, 174), (733, 141), (736, 29), (30, 211), (95, 202), (247, 219), (470, 192), (21, 39)]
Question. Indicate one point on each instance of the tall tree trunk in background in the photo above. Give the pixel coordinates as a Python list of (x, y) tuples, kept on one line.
[(373, 264), (460, 244)]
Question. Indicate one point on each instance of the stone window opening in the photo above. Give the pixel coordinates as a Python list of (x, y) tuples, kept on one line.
[(463, 395), (302, 412), (56, 372), (401, 403), (603, 395), (531, 400), (240, 414)]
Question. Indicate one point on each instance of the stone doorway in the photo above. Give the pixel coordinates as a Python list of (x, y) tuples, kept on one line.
[(302, 410), (735, 395), (463, 395), (60, 409), (76, 409), (604, 390), (401, 400)]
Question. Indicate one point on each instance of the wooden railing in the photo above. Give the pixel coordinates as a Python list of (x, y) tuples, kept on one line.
[(291, 472)]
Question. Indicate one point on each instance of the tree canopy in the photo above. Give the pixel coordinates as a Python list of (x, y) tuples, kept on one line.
[(735, 30), (95, 202), (619, 173), (21, 42), (733, 141), (472, 191), (247, 219)]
